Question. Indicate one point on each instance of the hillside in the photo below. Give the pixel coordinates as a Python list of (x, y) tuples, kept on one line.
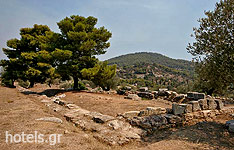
[(151, 58), (154, 71)]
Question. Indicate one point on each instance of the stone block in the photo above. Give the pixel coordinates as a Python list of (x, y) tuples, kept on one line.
[(203, 104), (178, 97), (143, 113), (198, 96), (99, 118), (147, 95), (219, 104), (155, 110), (190, 95), (133, 97), (188, 107), (195, 95), (143, 89), (195, 106), (211, 104), (173, 119), (178, 109), (155, 93), (131, 114)]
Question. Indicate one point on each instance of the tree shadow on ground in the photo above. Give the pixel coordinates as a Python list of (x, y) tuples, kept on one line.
[(211, 133), (47, 92), (50, 92)]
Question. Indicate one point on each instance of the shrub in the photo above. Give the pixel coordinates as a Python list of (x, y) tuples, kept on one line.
[(24, 84)]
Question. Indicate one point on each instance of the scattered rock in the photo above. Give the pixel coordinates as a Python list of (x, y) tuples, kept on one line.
[(128, 88), (163, 92), (173, 119), (116, 124), (156, 110), (178, 98), (133, 97), (131, 114), (143, 89), (146, 95), (50, 119), (99, 118)]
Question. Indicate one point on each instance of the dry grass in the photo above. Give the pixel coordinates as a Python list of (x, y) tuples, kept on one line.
[(18, 113)]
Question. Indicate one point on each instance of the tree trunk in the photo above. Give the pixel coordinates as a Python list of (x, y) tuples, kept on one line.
[(31, 84), (210, 92), (12, 84), (75, 87)]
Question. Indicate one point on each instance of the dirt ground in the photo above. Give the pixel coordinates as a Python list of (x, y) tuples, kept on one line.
[(111, 104), (19, 111)]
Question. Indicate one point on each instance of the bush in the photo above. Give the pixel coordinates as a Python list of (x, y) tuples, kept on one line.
[(69, 85), (66, 85), (24, 84), (81, 86)]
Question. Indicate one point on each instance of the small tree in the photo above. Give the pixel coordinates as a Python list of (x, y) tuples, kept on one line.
[(26, 60), (101, 75), (81, 41), (213, 49)]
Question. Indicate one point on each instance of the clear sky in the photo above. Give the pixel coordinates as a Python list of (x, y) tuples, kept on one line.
[(162, 26)]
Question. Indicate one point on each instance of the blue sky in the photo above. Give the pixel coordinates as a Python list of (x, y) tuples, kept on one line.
[(162, 26)]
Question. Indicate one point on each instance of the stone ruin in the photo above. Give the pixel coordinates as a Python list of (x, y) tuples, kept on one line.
[(134, 125), (155, 118)]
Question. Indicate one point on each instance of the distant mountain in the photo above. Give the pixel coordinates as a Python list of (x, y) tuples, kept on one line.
[(151, 58), (153, 70)]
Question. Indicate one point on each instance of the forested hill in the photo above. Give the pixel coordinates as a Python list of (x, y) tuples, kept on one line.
[(151, 58), (154, 70)]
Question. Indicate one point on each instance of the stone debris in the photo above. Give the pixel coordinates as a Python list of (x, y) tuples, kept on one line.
[(131, 114), (100, 118), (173, 119), (143, 89), (134, 124), (133, 97), (147, 95), (178, 98), (50, 119)]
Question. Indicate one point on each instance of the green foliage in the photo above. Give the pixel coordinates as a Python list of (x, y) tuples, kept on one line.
[(101, 75), (152, 58), (27, 61), (40, 54), (213, 49), (24, 84), (69, 85), (80, 42), (150, 72)]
